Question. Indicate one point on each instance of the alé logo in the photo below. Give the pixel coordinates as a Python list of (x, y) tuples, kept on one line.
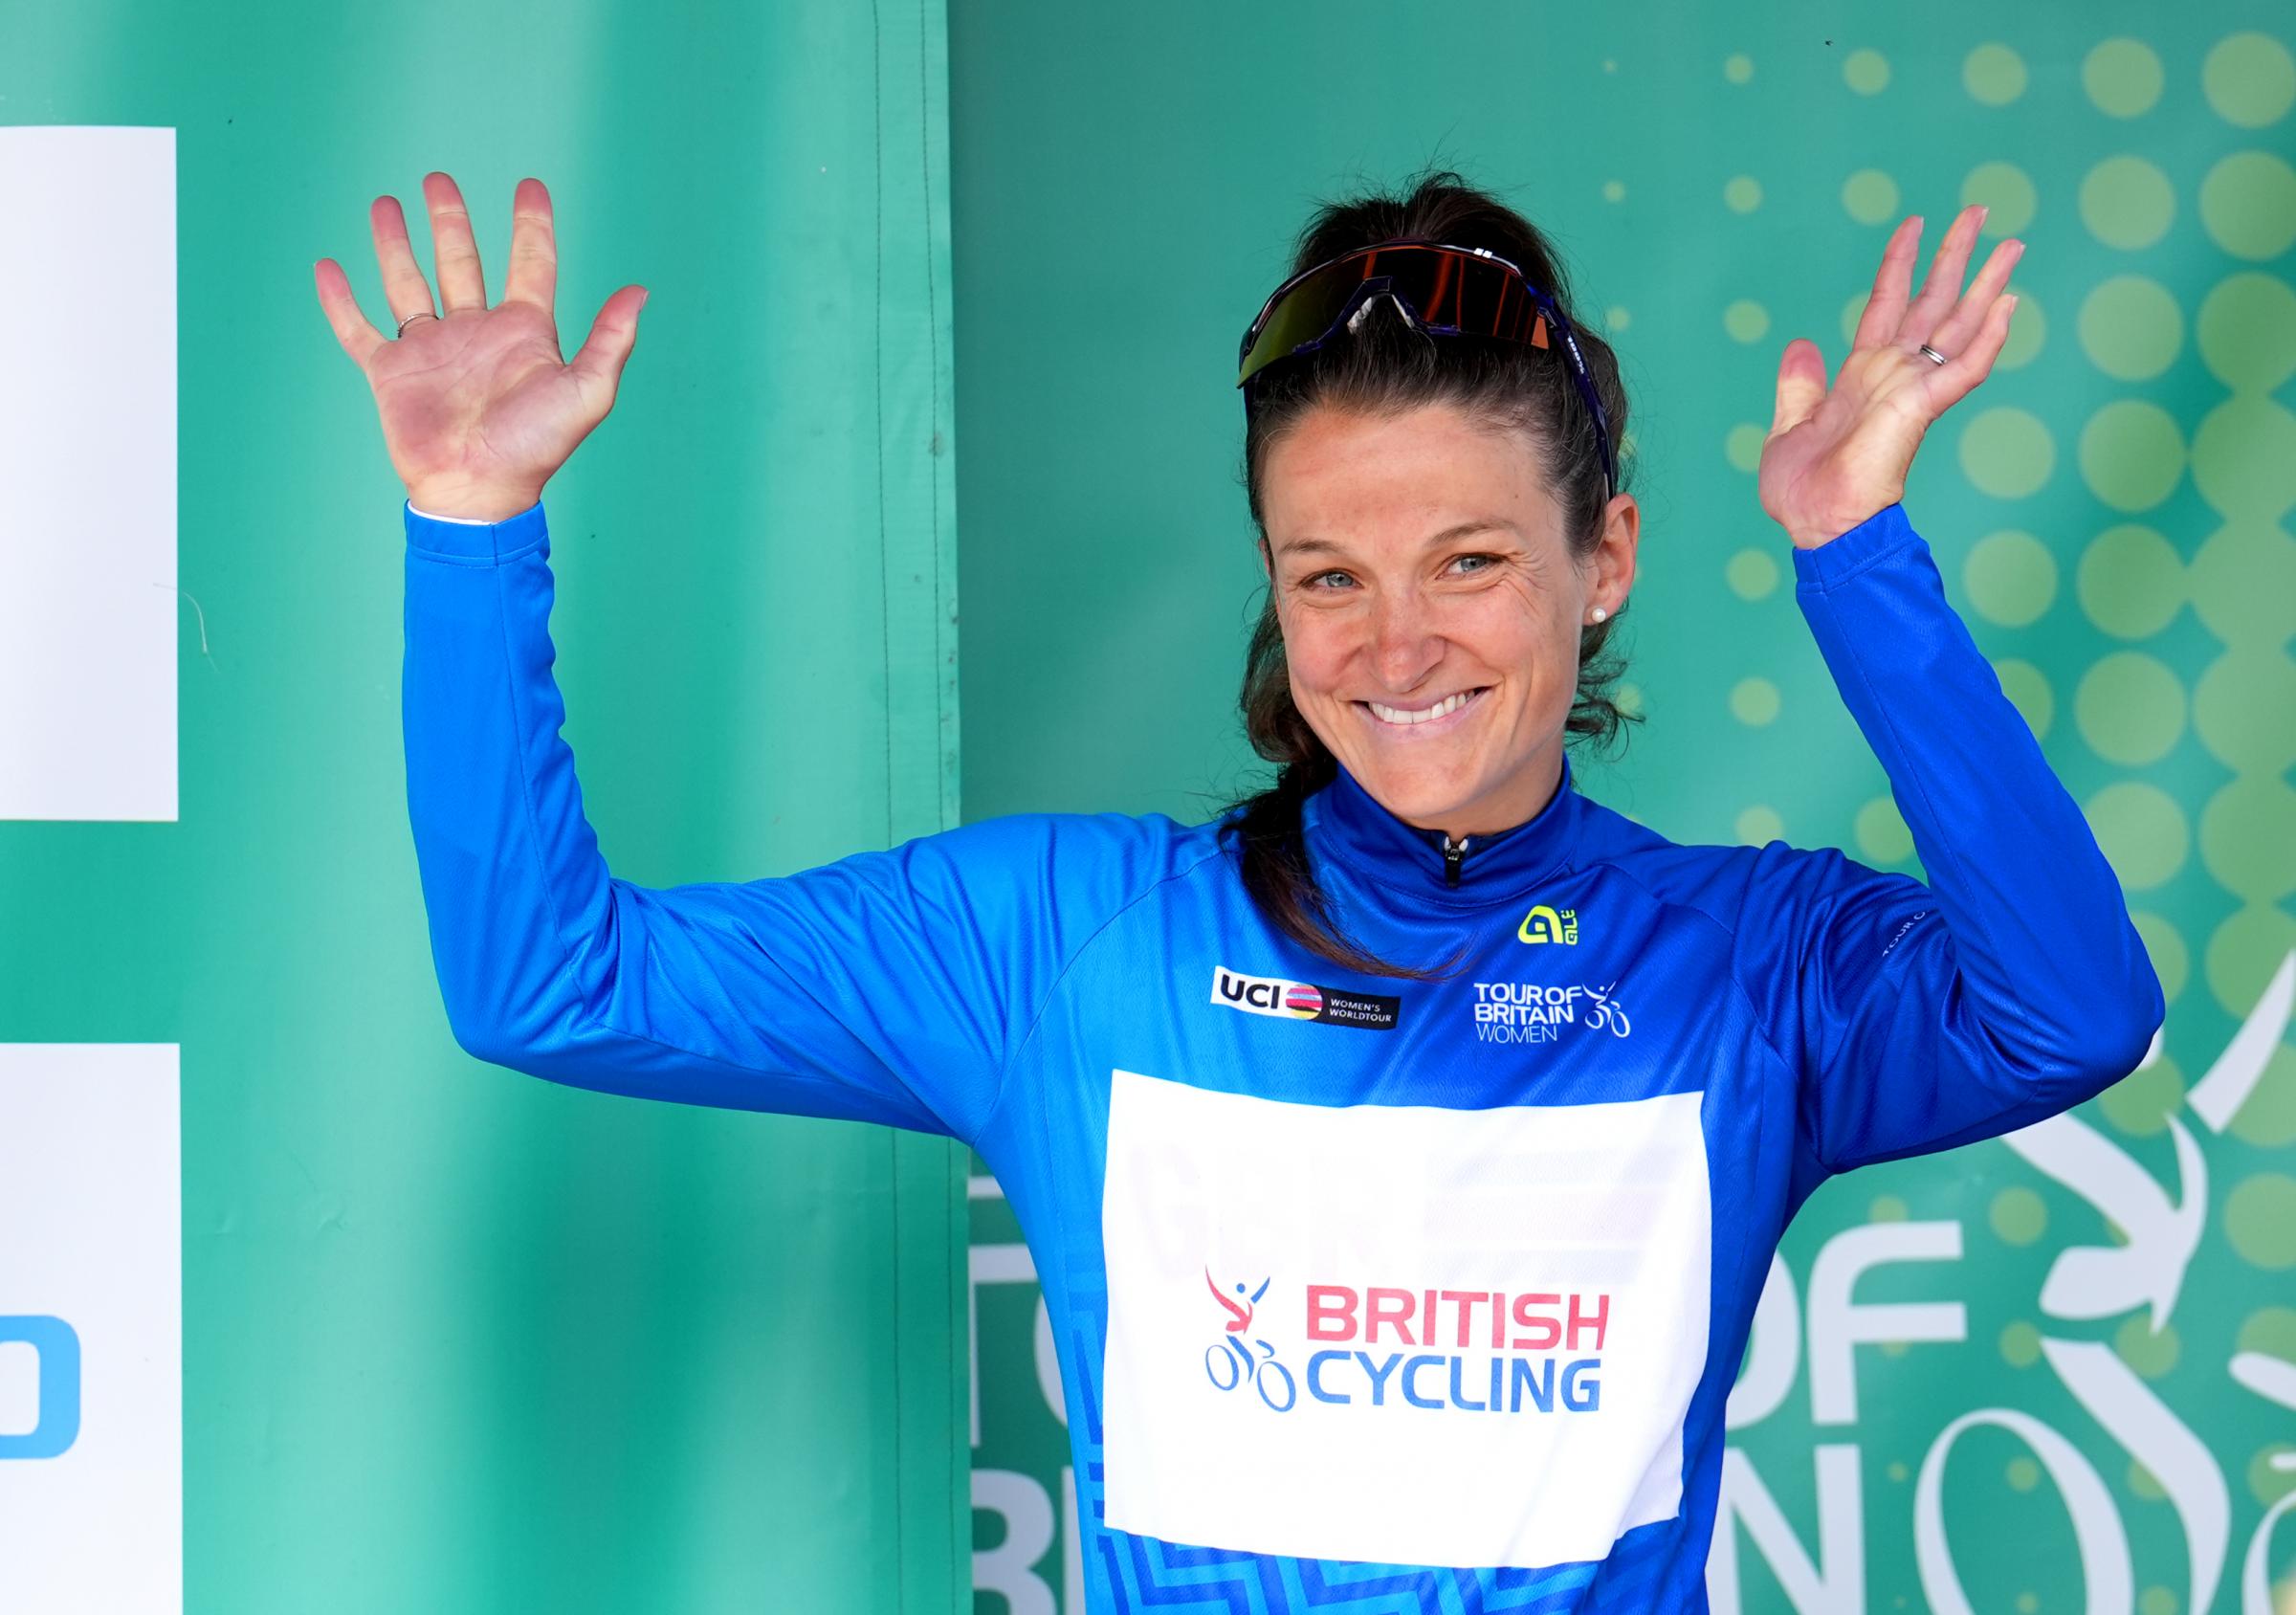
[(1545, 923), (55, 1362)]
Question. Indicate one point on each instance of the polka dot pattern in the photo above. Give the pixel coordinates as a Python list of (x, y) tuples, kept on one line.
[(2132, 454), (1994, 74), (1753, 574), (2249, 80), (2127, 202), (1867, 72), (2018, 1216), (2131, 327), (2248, 205), (2122, 78), (1758, 825), (2020, 1345), (2129, 708), (2259, 1219), (2007, 451), (1754, 701), (2005, 191), (2009, 577), (1869, 196)]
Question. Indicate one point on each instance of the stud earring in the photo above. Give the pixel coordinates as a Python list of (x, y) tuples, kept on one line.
[(1598, 615)]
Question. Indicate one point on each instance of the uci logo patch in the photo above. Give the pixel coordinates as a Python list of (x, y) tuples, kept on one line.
[(1303, 1001), (1546, 924)]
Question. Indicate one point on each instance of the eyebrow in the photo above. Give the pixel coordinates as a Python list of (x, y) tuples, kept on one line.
[(1460, 530)]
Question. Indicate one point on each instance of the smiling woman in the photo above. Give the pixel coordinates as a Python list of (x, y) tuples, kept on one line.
[(1420, 1083), (1447, 553)]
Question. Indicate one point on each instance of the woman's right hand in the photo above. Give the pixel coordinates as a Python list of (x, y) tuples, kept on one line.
[(477, 408)]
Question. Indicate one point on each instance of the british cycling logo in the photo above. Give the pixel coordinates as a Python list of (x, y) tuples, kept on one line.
[(1303, 1001), (1228, 1361), (1523, 1013), (1547, 924), (1477, 1370)]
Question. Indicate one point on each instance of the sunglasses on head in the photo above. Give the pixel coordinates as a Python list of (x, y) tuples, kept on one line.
[(1445, 290)]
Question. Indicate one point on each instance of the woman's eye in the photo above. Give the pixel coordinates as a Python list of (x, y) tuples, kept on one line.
[(1327, 579), (1475, 562)]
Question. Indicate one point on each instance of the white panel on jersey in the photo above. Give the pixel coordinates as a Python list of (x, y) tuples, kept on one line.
[(1472, 1336), (91, 1329), (88, 598)]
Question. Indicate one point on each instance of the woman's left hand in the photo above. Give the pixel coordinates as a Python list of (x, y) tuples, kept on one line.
[(1835, 458)]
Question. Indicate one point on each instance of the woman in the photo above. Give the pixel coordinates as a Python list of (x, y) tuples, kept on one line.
[(1403, 1151)]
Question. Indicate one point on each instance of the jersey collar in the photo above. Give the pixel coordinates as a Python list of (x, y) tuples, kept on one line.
[(1345, 824)]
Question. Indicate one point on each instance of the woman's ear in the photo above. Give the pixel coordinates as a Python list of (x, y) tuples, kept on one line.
[(1614, 557)]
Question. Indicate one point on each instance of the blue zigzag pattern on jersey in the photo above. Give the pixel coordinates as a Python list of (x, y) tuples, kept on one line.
[(1147, 1574), (1152, 1575)]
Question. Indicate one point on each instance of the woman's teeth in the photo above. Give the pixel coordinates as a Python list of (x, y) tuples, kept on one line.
[(1426, 714)]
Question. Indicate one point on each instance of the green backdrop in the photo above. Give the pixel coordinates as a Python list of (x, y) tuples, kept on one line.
[(2110, 511)]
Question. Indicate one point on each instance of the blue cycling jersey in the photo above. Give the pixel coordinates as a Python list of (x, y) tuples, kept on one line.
[(1368, 1294)]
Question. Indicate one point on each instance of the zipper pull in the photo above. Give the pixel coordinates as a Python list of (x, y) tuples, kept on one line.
[(1453, 856)]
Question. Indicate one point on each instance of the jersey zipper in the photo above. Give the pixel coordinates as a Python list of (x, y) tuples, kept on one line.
[(1454, 853)]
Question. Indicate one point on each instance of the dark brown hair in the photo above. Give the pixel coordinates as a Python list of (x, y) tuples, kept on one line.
[(1386, 367)]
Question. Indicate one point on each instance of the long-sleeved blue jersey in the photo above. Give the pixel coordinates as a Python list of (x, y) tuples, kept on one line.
[(1368, 1293)]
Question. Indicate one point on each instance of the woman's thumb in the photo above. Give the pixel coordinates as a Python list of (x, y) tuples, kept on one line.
[(1802, 386), (598, 368)]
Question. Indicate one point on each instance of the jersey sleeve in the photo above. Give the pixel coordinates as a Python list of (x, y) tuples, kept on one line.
[(888, 987), (2009, 987)]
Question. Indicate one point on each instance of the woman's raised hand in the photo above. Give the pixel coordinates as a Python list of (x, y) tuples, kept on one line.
[(1834, 457), (478, 410)]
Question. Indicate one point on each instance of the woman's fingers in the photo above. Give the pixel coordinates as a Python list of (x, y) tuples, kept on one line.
[(1942, 287), (352, 329), (1886, 303), (533, 273), (1966, 366), (403, 287), (598, 368), (454, 249), (1967, 321)]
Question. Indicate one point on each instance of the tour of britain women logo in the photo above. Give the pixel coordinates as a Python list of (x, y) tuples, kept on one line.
[(1528, 1012)]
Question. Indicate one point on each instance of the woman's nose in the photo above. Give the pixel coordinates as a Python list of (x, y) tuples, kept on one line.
[(1404, 643)]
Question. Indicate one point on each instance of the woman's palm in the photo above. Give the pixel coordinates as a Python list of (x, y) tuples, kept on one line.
[(480, 396), (478, 404)]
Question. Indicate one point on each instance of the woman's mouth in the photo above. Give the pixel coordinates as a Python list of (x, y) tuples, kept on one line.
[(1430, 718)]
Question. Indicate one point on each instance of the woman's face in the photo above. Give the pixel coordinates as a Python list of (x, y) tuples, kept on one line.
[(1431, 610)]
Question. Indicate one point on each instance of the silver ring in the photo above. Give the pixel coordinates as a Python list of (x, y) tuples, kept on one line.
[(1933, 353), (419, 314)]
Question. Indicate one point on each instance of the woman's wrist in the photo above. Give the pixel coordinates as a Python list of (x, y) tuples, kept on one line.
[(470, 503)]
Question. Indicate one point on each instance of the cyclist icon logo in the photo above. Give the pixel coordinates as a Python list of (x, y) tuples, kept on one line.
[(1228, 1361), (1605, 1011)]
